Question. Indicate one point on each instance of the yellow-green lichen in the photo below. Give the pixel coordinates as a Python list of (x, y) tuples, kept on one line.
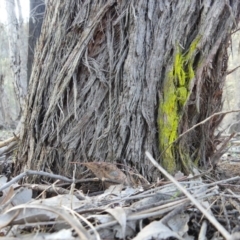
[(179, 72), (182, 94), (174, 97)]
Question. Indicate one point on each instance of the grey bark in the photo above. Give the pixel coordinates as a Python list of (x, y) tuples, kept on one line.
[(6, 120), (98, 77), (2, 108), (37, 9), (16, 49)]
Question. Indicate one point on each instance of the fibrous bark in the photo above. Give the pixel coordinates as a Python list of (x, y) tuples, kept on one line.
[(103, 76), (37, 8)]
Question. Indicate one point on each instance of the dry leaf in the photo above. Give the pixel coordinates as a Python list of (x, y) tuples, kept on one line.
[(120, 215), (22, 196), (7, 218), (179, 223), (7, 195), (61, 235), (156, 230)]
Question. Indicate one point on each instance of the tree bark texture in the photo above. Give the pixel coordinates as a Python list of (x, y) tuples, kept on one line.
[(16, 49), (6, 120), (37, 9), (2, 107), (112, 79)]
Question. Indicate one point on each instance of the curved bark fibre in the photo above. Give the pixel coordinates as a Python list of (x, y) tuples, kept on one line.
[(112, 79), (37, 8)]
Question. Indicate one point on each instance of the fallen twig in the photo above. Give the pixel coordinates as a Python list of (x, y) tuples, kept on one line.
[(203, 231), (210, 217), (52, 189), (7, 149), (231, 71), (54, 176), (6, 142)]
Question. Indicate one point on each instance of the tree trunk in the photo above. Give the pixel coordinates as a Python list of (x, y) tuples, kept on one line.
[(6, 120), (16, 49), (112, 79), (2, 108), (37, 9)]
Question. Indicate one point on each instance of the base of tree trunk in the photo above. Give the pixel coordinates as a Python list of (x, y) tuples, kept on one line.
[(112, 79)]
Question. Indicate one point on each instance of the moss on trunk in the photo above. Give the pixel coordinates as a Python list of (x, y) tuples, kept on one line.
[(176, 91)]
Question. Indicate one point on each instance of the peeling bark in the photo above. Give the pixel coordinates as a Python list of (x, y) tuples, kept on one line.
[(98, 79), (37, 8)]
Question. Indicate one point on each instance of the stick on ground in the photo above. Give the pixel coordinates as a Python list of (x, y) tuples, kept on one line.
[(210, 217)]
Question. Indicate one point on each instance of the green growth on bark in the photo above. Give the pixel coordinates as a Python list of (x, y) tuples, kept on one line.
[(174, 97)]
